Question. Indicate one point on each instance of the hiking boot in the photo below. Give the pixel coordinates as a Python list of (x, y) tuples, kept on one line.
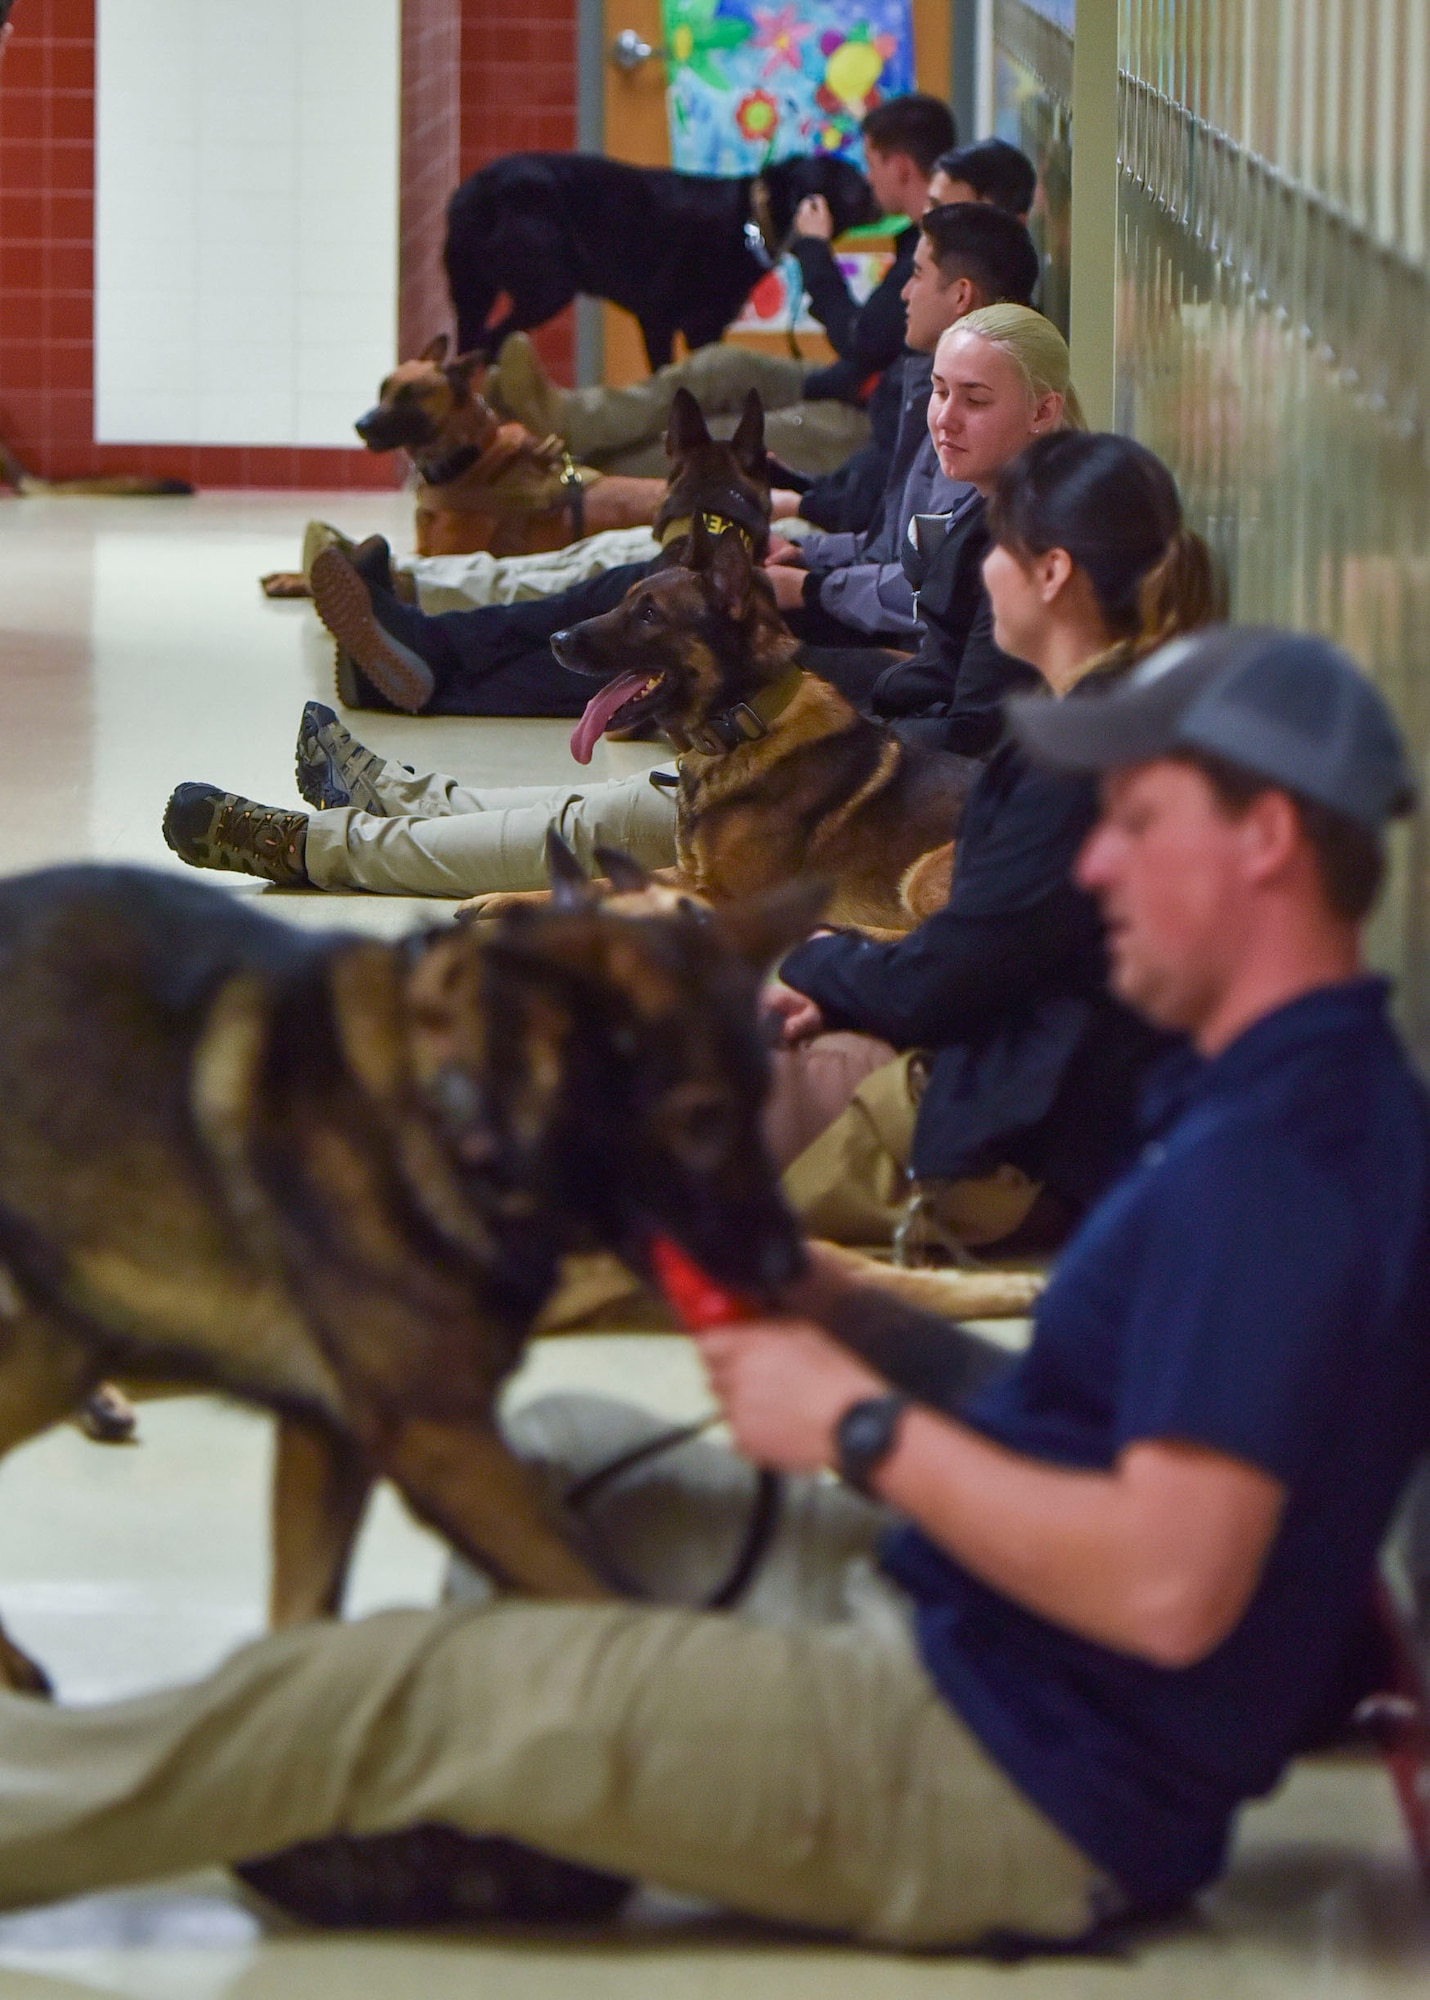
[(333, 768), (520, 387), (430, 1875), (213, 829), (345, 606)]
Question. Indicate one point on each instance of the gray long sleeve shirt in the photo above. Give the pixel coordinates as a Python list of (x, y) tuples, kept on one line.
[(861, 577)]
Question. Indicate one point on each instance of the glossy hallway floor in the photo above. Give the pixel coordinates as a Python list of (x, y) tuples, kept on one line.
[(136, 651)]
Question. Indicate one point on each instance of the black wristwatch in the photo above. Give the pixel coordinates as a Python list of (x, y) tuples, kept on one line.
[(864, 1437)]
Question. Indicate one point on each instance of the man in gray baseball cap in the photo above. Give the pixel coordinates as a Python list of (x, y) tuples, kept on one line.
[(1287, 707), (1247, 776)]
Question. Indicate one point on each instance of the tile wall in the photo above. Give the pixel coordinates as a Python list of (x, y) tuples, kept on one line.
[(47, 279), (517, 88), (246, 211), (519, 95), (431, 163)]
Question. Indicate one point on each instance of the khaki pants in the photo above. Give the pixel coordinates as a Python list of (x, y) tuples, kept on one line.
[(812, 437), (850, 1183), (440, 838), (456, 583), (800, 1768)]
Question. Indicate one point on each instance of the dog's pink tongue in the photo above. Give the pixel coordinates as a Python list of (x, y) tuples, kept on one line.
[(599, 710)]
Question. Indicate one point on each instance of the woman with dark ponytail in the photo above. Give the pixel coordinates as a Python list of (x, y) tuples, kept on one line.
[(1012, 1104), (1098, 515)]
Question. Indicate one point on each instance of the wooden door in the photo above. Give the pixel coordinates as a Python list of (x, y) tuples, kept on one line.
[(636, 130)]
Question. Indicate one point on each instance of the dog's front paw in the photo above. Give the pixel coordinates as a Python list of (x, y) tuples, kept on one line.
[(485, 909)]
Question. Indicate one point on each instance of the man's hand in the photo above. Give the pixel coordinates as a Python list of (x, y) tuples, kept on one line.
[(799, 1016), (783, 1385), (813, 217), (780, 551), (784, 503), (789, 585)]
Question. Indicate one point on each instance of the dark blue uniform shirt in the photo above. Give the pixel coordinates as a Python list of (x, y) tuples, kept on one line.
[(1258, 1284)]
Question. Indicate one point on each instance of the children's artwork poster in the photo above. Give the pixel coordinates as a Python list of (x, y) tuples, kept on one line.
[(749, 82), (779, 296)]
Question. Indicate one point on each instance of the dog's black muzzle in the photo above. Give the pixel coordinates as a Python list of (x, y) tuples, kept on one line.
[(384, 429), (572, 650)]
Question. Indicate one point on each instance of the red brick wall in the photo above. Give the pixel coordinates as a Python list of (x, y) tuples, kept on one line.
[(517, 91), (46, 234), (431, 163), (519, 95)]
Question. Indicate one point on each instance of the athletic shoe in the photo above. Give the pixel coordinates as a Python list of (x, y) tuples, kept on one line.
[(333, 769), (345, 606), (213, 829)]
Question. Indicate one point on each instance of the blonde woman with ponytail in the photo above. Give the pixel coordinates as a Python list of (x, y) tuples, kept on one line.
[(997, 1004)]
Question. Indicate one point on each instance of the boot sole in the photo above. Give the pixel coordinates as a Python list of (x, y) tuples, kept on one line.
[(345, 608)]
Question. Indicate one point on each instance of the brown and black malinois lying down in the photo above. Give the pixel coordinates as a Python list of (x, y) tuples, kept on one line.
[(335, 1177), (780, 777), (484, 484), (114, 485)]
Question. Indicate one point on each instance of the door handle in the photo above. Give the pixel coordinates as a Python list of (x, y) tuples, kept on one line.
[(630, 49)]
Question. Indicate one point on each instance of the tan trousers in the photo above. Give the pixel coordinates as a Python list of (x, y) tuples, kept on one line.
[(802, 1769), (812, 437), (440, 838), (456, 583), (854, 1104)]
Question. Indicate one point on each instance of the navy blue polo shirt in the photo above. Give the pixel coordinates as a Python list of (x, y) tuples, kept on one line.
[(1258, 1284)]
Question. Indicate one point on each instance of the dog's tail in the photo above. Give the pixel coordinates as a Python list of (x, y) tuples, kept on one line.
[(117, 486)]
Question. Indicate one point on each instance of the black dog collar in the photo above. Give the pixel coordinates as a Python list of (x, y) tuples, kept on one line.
[(746, 721), (445, 470)]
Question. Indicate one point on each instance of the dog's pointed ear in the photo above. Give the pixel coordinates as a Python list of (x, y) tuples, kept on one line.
[(731, 573), (762, 929), (570, 889), (625, 875), (686, 429), (748, 443), (436, 350), (459, 372)]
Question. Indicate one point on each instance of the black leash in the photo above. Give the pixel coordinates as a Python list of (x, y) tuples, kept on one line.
[(759, 1530)]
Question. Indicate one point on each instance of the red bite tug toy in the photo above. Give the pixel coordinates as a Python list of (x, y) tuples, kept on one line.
[(695, 1299)]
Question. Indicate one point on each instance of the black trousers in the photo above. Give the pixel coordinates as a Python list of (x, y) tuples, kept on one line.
[(497, 659)]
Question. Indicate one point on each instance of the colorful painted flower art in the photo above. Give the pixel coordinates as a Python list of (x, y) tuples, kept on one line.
[(751, 80)]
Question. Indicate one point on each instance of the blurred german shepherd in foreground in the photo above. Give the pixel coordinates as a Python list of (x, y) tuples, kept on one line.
[(334, 1177)]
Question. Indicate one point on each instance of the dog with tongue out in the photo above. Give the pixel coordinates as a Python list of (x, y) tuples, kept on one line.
[(779, 776)]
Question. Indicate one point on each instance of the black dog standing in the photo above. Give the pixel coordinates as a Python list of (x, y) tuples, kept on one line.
[(680, 251)]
